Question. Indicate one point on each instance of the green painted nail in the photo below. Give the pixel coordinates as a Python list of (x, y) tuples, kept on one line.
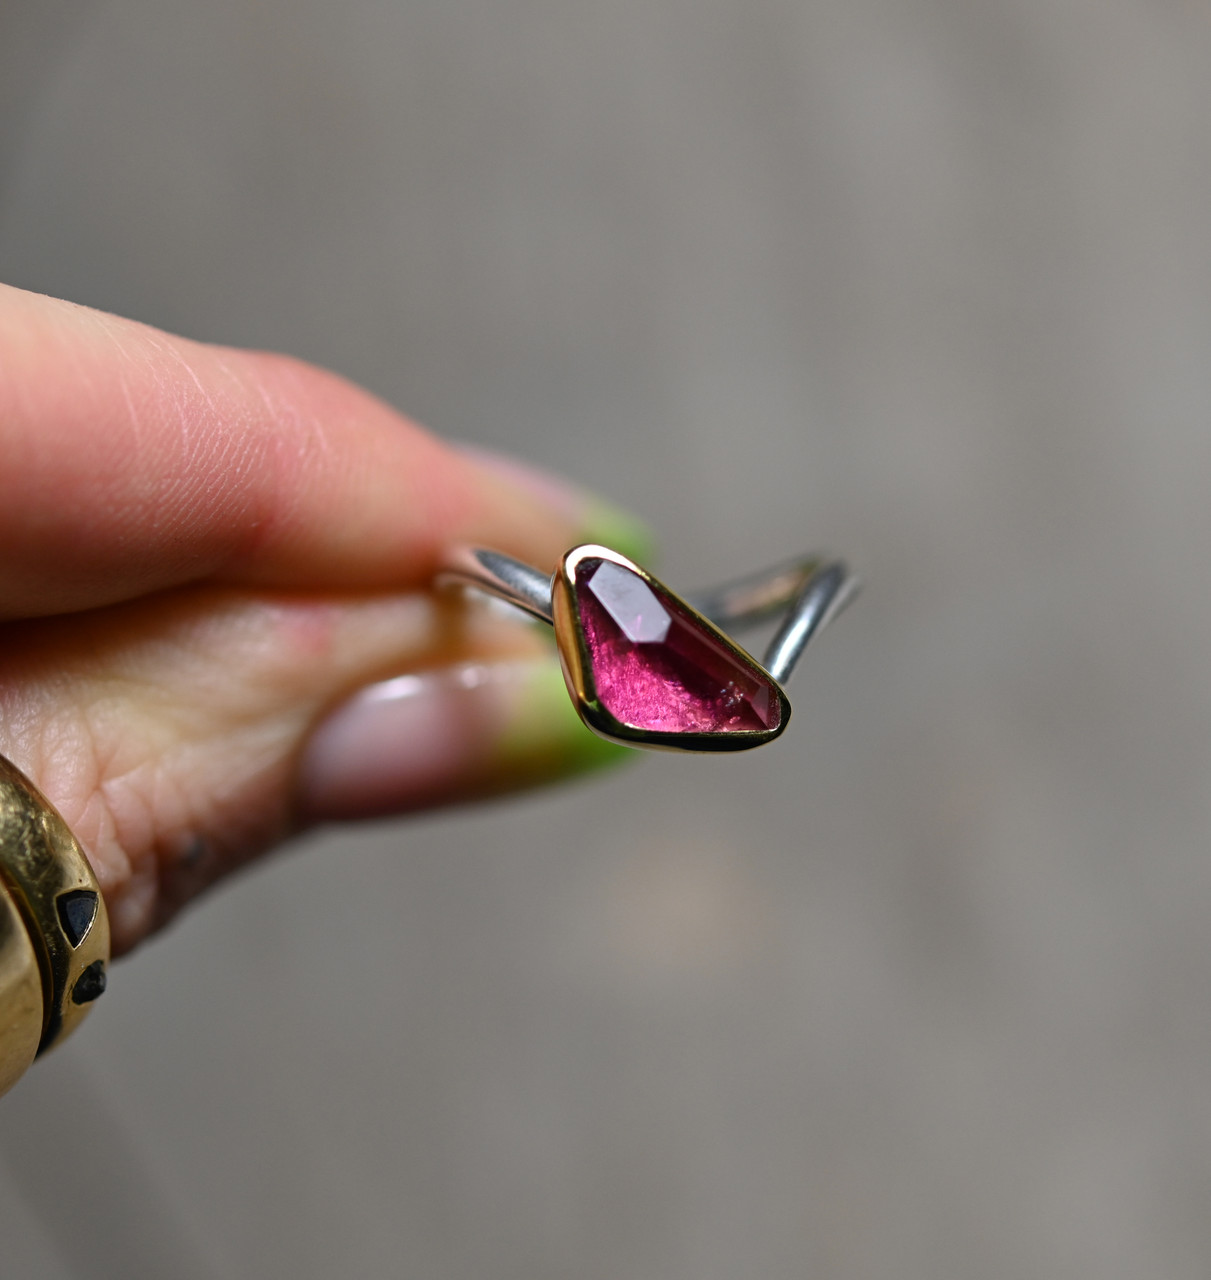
[(545, 736), (613, 527)]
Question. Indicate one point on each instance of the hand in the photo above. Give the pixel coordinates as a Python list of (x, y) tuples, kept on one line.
[(208, 553)]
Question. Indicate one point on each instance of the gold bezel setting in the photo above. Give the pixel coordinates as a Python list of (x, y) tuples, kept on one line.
[(607, 629), (50, 882), (577, 662)]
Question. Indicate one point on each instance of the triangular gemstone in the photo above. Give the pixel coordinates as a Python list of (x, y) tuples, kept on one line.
[(77, 910), (658, 667)]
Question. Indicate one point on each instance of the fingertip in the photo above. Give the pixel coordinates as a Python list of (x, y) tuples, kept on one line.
[(427, 739), (140, 461), (542, 734)]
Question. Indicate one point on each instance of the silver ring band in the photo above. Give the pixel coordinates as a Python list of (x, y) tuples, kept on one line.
[(809, 591)]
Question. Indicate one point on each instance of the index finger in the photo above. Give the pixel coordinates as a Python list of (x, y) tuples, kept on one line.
[(133, 461)]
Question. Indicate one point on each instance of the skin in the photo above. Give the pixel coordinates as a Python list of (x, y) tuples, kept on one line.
[(208, 553)]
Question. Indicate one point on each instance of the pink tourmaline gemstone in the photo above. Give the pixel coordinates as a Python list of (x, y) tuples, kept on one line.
[(655, 667)]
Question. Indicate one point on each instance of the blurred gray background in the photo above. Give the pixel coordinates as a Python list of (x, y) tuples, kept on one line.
[(924, 990)]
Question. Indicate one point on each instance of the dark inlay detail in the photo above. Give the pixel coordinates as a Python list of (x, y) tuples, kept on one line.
[(89, 984), (77, 911)]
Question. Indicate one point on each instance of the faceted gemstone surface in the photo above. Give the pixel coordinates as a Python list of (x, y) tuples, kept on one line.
[(656, 667), (77, 910)]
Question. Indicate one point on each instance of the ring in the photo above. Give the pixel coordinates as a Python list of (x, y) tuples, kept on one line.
[(648, 668), (54, 932)]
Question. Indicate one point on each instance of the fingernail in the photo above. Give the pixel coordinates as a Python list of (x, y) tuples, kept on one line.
[(426, 739), (596, 519)]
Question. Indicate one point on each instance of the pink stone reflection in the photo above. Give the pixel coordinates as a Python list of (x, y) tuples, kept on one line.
[(656, 668)]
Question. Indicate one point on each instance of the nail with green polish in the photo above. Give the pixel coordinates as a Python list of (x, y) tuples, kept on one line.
[(612, 527), (544, 735)]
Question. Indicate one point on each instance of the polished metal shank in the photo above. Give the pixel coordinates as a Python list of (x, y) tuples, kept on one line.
[(47, 876), (809, 590), (502, 576), (20, 994)]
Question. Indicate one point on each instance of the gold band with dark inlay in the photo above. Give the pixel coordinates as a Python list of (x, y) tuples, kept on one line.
[(54, 932)]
